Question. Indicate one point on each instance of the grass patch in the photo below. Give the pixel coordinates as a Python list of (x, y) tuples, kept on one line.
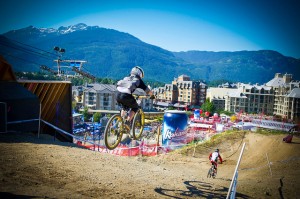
[(211, 144), (229, 136), (263, 131)]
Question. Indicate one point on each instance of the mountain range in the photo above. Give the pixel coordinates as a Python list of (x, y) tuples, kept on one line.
[(111, 53)]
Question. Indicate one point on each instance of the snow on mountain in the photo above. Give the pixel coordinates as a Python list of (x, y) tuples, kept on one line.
[(41, 32), (72, 28), (47, 30)]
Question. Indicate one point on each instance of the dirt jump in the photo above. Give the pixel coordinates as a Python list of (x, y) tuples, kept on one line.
[(32, 167)]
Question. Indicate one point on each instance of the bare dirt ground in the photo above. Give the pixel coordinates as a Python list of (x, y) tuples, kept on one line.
[(32, 167)]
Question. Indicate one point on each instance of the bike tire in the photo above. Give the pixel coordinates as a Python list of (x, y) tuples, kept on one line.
[(209, 174), (138, 124), (113, 132), (214, 174)]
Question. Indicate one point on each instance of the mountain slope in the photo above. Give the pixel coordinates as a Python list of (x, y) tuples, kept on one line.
[(110, 53), (245, 66)]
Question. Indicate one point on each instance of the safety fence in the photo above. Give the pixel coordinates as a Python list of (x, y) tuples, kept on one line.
[(269, 124), (149, 145)]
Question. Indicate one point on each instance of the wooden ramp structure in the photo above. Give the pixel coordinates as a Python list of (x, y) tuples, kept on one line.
[(56, 104), (52, 102)]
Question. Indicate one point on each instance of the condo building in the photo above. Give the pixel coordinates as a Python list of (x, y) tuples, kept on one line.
[(100, 97), (286, 96), (217, 96), (181, 93), (280, 96), (250, 99)]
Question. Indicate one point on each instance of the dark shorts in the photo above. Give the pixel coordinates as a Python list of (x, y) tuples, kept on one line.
[(127, 100)]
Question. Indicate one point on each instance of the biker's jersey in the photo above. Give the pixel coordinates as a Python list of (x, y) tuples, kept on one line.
[(130, 83), (214, 156)]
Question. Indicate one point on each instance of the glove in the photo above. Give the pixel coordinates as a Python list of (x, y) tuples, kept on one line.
[(152, 97)]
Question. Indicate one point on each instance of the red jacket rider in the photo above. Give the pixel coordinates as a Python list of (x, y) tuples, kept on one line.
[(213, 157)]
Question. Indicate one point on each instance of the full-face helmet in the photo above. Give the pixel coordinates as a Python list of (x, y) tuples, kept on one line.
[(137, 71)]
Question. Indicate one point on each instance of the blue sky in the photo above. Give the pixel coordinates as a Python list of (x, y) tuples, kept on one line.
[(175, 25)]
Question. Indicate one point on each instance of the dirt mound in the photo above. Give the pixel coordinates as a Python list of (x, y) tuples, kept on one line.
[(44, 168), (268, 166)]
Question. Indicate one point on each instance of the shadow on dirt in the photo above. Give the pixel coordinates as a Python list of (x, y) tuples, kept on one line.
[(28, 137), (14, 196), (197, 189), (293, 143)]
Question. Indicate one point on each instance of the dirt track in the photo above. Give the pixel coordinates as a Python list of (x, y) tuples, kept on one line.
[(44, 168)]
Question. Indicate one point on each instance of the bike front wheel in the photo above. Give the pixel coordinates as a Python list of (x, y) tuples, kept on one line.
[(138, 124), (214, 174), (113, 132)]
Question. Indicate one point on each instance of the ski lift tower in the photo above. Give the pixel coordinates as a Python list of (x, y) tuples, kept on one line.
[(73, 65), (70, 64), (77, 64)]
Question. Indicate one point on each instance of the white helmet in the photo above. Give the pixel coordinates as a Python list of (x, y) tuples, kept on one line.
[(137, 71)]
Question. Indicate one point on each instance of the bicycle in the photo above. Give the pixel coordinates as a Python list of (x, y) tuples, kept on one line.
[(212, 172), (116, 127)]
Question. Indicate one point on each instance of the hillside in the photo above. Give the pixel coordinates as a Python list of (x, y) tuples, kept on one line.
[(43, 168), (110, 53), (244, 66)]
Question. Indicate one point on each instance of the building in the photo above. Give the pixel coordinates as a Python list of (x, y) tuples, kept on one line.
[(100, 97), (292, 103), (280, 97), (251, 99), (217, 96), (260, 99), (190, 92), (182, 92), (170, 93), (286, 96)]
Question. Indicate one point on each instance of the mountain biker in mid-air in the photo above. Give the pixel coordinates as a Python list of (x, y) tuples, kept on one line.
[(213, 157), (127, 86)]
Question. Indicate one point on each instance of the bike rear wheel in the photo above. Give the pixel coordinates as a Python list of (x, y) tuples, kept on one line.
[(138, 124), (113, 132), (210, 172)]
